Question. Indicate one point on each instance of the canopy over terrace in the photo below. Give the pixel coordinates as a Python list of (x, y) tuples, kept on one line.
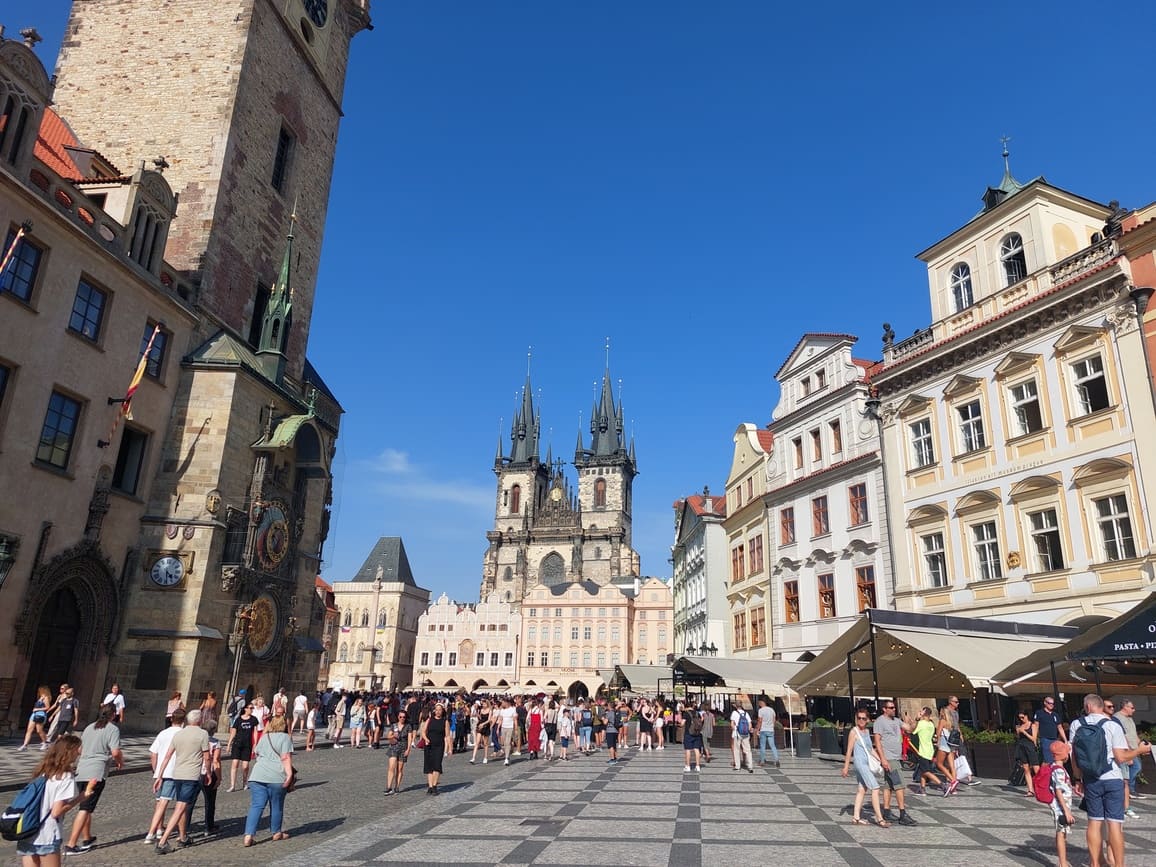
[(907, 655), (1116, 656), (641, 679), (767, 676)]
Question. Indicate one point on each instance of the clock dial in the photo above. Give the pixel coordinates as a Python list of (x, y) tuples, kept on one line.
[(167, 571), (273, 536), (556, 494), (318, 11)]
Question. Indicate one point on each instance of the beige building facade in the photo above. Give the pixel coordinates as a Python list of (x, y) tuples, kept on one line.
[(378, 613), (468, 646), (1017, 426), (747, 533)]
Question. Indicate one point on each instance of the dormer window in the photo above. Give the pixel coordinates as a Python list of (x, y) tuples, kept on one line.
[(806, 385), (820, 380), (961, 294), (1011, 254)]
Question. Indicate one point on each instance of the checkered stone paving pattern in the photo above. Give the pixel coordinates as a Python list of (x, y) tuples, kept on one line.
[(647, 811)]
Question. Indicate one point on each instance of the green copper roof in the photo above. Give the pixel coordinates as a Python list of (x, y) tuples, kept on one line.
[(284, 434)]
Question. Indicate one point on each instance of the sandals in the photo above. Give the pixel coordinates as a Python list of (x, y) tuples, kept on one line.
[(281, 835), (248, 842), (881, 823), (855, 820)]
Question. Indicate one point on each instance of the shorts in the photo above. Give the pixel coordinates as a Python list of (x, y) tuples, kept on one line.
[(564, 741), (924, 766), (89, 803), (891, 777), (27, 847), (185, 791), (611, 740), (1062, 826), (1104, 800), (168, 790), (298, 714), (691, 742)]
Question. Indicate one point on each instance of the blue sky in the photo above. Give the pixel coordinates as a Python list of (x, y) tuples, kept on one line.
[(699, 182)]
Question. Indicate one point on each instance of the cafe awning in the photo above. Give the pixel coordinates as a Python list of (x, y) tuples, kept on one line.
[(642, 679), (1120, 654), (764, 676), (904, 654)]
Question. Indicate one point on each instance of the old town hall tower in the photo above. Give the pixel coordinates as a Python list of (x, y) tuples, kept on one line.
[(545, 531)]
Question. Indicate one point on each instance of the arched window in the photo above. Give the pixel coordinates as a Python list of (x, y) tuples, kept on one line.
[(515, 499), (600, 494), (381, 620), (348, 618), (1011, 253), (365, 617), (553, 570), (508, 575), (343, 653), (961, 294)]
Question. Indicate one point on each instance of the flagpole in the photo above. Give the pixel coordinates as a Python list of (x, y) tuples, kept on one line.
[(125, 410), (25, 228)]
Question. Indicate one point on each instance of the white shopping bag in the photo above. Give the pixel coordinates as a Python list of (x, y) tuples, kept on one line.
[(962, 768)]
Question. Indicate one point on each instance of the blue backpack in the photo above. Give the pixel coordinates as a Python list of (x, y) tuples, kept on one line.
[(744, 724), (1090, 745), (21, 821)]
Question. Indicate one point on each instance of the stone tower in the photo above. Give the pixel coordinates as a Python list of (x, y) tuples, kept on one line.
[(545, 531), (242, 98)]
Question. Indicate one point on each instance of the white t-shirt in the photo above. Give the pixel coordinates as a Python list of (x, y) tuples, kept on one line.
[(116, 700), (509, 715), (1113, 734), (56, 789), (766, 719), (565, 726), (736, 715), (160, 746), (261, 713), (299, 704)]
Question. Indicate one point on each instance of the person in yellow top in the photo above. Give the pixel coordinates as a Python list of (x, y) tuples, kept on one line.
[(923, 738)]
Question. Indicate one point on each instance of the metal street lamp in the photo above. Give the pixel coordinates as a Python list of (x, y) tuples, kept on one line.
[(713, 649), (7, 557), (703, 649), (690, 650)]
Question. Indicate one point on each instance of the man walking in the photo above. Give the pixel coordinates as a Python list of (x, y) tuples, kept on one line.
[(1047, 728), (741, 738), (614, 717), (888, 736), (766, 731), (99, 743), (1099, 751), (1124, 709), (189, 752)]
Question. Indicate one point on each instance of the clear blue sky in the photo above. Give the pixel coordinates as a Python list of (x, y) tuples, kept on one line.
[(701, 182)]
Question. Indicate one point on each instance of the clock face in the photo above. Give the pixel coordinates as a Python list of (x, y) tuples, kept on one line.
[(272, 536), (167, 571), (556, 494), (318, 11)]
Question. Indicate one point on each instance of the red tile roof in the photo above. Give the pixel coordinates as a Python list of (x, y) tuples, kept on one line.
[(823, 471), (719, 505), (320, 584), (766, 440), (50, 141)]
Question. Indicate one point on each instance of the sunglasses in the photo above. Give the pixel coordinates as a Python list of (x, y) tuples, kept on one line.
[(861, 717)]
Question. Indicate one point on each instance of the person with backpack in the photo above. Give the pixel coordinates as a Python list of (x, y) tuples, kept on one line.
[(585, 728), (692, 739), (1051, 785), (38, 833), (614, 719), (741, 738), (1099, 749)]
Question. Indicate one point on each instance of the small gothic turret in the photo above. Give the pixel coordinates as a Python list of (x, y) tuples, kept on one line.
[(278, 317), (525, 430)]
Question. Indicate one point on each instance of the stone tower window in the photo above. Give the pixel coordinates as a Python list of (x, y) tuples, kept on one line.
[(600, 494), (515, 499), (508, 575), (365, 617), (1011, 254), (282, 159)]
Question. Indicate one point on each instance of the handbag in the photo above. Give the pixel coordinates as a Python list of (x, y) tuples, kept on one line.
[(421, 743), (293, 778), (874, 764)]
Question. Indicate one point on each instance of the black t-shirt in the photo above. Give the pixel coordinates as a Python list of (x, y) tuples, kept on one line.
[(245, 728), (1049, 722)]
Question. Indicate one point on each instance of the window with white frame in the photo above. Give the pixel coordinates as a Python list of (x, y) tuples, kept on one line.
[(971, 436), (1025, 400), (438, 657), (1045, 532), (1091, 384), (1115, 527), (935, 559), (922, 448), (961, 294), (986, 544), (532, 633), (1011, 254)]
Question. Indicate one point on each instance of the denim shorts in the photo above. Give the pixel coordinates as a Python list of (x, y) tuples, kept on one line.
[(27, 847), (1104, 799), (168, 790), (186, 791)]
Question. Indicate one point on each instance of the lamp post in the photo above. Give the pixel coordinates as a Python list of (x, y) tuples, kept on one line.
[(373, 626), (290, 630), (7, 557)]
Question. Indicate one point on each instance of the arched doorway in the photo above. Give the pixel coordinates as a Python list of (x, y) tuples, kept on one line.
[(55, 644), (578, 691)]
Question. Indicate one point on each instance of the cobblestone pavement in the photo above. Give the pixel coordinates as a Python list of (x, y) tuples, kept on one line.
[(17, 766), (645, 810)]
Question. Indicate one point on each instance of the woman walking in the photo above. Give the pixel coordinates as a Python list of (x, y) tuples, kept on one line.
[(859, 751), (550, 724), (240, 746), (399, 741), (645, 727), (435, 731), (38, 718), (944, 760), (659, 725), (356, 722), (272, 774), (534, 728), (60, 796), (1027, 751), (482, 737), (209, 709), (311, 726)]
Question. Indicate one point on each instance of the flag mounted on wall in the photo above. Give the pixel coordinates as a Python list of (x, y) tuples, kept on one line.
[(125, 410)]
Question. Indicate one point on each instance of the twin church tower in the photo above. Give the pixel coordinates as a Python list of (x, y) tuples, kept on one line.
[(545, 532)]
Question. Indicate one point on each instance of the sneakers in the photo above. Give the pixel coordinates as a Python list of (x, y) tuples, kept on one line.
[(163, 850), (85, 845), (698, 768), (750, 770), (149, 838), (887, 817), (517, 752), (777, 765), (22, 748), (72, 850), (1137, 796), (485, 761), (472, 762), (971, 781), (184, 844), (1131, 814), (951, 788), (389, 791), (43, 747), (506, 762), (686, 769), (904, 819)]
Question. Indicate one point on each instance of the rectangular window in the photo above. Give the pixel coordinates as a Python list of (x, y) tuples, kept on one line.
[(1115, 527), (601, 612), (589, 612), (573, 633), (817, 445), (509, 660), (738, 570), (1046, 537), (820, 379), (971, 427), (827, 595), (836, 437), (533, 612), (787, 526), (573, 658), (452, 658), (857, 499), (1091, 386), (544, 658), (59, 431), (129, 461), (922, 449), (642, 636), (156, 359), (615, 658), (557, 657), (424, 659), (986, 546), (557, 612), (740, 624), (805, 384), (282, 159), (480, 661), (5, 376), (87, 310), (865, 587), (530, 659), (935, 559), (820, 525), (587, 633), (19, 278), (1026, 408), (758, 627), (586, 659), (601, 633), (615, 633), (601, 660), (493, 660), (791, 595), (557, 633), (532, 633), (438, 658), (755, 554), (797, 443)]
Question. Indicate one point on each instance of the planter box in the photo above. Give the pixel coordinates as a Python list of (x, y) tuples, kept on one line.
[(993, 761), (828, 740), (803, 745)]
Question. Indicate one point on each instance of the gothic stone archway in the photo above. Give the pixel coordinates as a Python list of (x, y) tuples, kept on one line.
[(67, 622)]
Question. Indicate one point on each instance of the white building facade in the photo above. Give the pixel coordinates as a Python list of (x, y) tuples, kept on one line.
[(699, 558), (468, 646)]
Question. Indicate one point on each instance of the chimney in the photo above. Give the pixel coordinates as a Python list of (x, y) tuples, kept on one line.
[(707, 502)]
